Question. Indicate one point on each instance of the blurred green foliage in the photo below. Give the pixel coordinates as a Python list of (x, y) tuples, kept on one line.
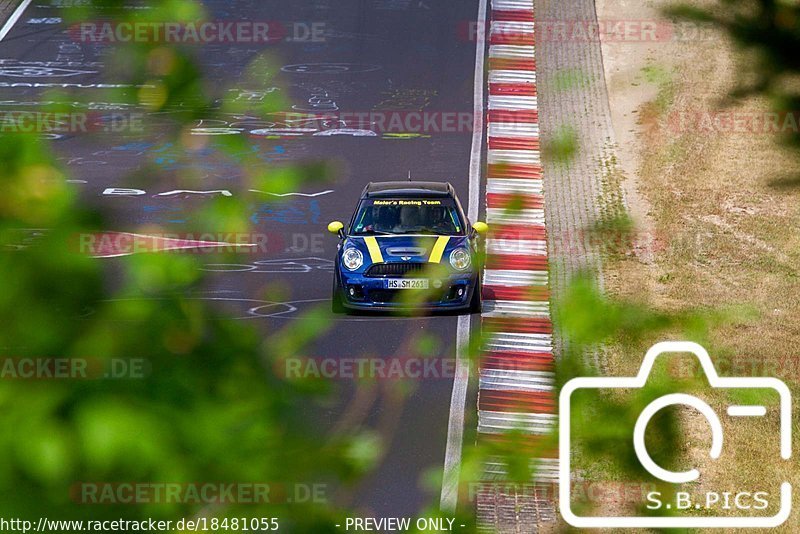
[(211, 406), (769, 32)]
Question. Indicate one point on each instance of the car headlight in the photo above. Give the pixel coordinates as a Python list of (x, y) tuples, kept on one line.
[(352, 258), (460, 259)]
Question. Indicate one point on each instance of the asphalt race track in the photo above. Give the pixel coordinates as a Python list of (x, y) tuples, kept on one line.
[(371, 55)]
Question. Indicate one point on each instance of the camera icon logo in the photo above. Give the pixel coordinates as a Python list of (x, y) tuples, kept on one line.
[(708, 519)]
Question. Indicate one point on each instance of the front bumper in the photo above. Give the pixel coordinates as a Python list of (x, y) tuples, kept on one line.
[(370, 293)]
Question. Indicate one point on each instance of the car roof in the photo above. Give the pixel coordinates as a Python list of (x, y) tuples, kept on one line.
[(408, 189)]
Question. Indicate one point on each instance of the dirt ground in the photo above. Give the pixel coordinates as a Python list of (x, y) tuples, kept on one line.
[(715, 207)]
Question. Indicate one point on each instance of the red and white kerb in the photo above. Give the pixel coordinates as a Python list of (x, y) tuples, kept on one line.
[(516, 388)]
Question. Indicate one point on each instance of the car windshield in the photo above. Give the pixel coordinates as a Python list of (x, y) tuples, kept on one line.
[(408, 216)]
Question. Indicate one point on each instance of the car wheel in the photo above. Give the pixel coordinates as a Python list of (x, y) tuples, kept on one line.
[(336, 297), (476, 304)]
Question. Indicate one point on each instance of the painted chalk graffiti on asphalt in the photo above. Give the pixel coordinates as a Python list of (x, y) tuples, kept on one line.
[(30, 71), (287, 212), (329, 68), (274, 266)]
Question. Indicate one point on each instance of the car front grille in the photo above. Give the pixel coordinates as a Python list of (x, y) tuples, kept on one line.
[(395, 269)]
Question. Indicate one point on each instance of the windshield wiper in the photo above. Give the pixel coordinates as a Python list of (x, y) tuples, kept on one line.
[(379, 232), (423, 232)]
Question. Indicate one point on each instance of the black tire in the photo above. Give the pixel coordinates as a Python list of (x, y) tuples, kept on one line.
[(337, 306), (476, 303)]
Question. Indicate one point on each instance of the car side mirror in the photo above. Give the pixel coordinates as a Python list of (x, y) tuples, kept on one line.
[(336, 227), (480, 227)]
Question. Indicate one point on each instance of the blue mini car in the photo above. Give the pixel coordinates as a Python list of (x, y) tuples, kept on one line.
[(407, 246)]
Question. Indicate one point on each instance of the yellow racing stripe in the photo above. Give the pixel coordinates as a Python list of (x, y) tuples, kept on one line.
[(438, 249), (374, 250)]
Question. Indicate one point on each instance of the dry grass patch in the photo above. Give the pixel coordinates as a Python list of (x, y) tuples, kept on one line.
[(725, 214)]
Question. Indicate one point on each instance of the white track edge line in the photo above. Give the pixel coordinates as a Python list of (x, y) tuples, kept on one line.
[(458, 399), (12, 20)]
